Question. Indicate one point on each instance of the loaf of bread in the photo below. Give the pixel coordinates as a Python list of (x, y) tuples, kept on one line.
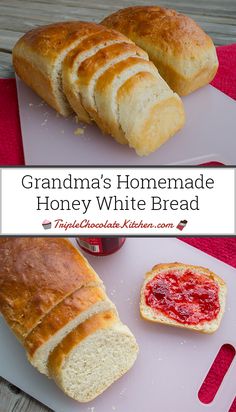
[(104, 77), (35, 275), (55, 302), (183, 295), (183, 53), (101, 344)]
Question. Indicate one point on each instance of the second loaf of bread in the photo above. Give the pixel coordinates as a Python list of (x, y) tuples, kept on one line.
[(104, 77), (183, 53)]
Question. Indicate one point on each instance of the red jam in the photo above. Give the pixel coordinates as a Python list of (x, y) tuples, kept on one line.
[(186, 297)]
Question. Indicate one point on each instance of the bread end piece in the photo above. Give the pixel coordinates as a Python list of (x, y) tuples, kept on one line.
[(93, 356), (158, 112), (156, 316)]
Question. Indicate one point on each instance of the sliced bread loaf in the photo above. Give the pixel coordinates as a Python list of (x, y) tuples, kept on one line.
[(183, 295), (66, 61), (87, 48), (61, 320), (92, 68), (136, 107), (106, 90), (93, 356)]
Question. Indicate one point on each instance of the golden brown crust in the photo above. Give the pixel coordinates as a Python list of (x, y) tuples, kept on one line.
[(96, 322), (103, 56), (172, 29), (97, 62), (175, 43), (49, 40), (36, 56), (37, 81), (70, 66), (35, 275), (92, 41), (61, 315)]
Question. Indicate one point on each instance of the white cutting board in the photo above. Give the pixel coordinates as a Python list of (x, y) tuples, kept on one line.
[(49, 139), (172, 363)]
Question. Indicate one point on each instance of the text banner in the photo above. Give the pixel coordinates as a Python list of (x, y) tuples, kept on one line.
[(126, 201)]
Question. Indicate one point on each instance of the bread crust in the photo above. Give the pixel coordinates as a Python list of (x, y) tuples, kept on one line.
[(37, 81), (49, 40), (67, 310), (70, 67), (90, 67), (97, 322), (35, 56), (35, 275), (179, 48), (152, 315)]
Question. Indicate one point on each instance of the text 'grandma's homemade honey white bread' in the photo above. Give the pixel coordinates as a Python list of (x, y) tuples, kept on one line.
[(183, 295), (104, 77), (183, 53), (50, 296)]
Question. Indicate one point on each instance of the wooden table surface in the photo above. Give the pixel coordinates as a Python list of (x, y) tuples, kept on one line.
[(216, 17)]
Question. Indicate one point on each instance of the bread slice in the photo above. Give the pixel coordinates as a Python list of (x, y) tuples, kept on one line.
[(93, 356), (61, 320), (106, 90), (183, 53), (156, 315), (38, 56), (158, 112), (92, 68), (87, 48), (36, 274)]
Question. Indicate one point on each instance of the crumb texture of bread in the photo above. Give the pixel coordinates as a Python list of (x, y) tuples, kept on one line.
[(36, 274), (158, 112), (155, 315), (85, 50), (93, 356), (183, 53)]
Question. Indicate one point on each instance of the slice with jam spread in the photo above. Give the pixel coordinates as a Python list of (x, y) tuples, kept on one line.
[(183, 295)]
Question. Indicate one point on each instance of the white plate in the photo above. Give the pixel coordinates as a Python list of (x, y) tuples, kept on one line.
[(209, 135), (172, 363)]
